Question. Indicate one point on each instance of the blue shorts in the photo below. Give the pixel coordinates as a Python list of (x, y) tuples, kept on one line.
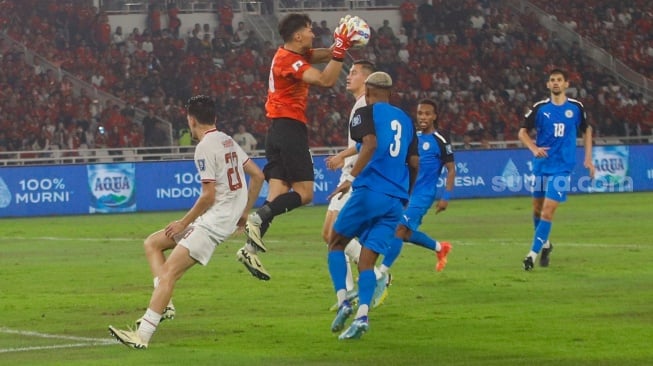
[(412, 217), (553, 187), (372, 217)]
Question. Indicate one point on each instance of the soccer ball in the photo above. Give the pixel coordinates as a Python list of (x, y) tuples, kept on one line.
[(363, 33)]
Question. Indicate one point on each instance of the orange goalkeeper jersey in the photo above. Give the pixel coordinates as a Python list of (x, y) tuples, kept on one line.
[(287, 93)]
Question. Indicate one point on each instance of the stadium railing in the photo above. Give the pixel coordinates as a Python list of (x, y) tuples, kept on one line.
[(159, 153)]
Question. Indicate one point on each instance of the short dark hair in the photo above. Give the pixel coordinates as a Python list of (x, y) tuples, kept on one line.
[(366, 64), (291, 23), (430, 102), (202, 108), (559, 71)]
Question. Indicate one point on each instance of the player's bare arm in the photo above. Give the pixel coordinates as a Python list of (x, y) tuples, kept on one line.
[(587, 141), (364, 156), (338, 161), (321, 55), (451, 176), (256, 178), (325, 78), (525, 138)]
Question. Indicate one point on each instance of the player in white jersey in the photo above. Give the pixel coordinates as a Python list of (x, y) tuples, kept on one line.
[(359, 71), (220, 209)]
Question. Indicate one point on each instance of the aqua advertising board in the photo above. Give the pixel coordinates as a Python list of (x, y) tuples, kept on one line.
[(174, 185)]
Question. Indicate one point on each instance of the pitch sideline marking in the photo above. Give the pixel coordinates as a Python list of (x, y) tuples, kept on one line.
[(238, 240), (85, 341)]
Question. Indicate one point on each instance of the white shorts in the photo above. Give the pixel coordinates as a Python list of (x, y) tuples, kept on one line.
[(337, 202), (200, 242)]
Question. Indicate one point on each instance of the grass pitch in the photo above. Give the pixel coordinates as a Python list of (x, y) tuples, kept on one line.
[(65, 279)]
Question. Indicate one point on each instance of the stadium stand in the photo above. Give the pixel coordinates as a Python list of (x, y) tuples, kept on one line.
[(73, 83)]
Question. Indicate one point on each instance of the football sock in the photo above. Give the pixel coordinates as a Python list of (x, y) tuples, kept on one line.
[(383, 268), (349, 282), (338, 269), (282, 204), (341, 295), (423, 240), (148, 326), (377, 274), (251, 247), (536, 221), (394, 249), (353, 250), (362, 311), (541, 235), (366, 287)]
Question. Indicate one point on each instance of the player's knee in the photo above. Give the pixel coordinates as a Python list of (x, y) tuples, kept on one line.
[(148, 244), (547, 215), (307, 197), (337, 241)]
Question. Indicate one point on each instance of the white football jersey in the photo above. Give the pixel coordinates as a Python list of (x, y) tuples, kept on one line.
[(219, 158), (351, 160)]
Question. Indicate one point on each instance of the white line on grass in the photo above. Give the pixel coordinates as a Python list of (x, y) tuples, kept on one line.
[(54, 238), (41, 348), (86, 341)]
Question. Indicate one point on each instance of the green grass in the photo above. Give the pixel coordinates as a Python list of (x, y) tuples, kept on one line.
[(74, 276)]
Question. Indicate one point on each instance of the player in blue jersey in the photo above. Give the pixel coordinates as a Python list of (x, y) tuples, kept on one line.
[(558, 121), (435, 153), (381, 180)]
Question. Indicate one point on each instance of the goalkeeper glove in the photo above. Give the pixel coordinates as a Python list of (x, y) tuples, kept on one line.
[(342, 37)]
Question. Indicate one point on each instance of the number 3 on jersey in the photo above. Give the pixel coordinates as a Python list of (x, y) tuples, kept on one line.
[(395, 147), (235, 183)]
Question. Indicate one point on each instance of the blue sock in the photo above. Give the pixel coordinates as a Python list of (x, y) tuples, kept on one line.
[(393, 252), (422, 240), (338, 269), (541, 235), (536, 221), (366, 286)]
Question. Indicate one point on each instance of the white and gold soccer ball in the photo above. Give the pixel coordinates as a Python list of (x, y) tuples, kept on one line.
[(362, 31)]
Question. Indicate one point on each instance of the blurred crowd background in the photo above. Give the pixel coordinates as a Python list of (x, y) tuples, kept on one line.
[(484, 64)]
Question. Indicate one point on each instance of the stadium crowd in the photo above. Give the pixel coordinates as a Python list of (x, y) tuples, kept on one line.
[(483, 64)]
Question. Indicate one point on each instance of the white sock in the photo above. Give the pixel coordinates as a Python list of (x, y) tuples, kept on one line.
[(148, 326), (353, 250), (383, 269), (378, 273), (255, 218), (349, 282), (533, 255), (251, 248), (547, 245), (362, 311), (342, 296), (438, 247)]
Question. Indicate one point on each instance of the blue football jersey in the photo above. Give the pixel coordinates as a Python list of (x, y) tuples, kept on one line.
[(557, 128), (434, 151), (387, 171)]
